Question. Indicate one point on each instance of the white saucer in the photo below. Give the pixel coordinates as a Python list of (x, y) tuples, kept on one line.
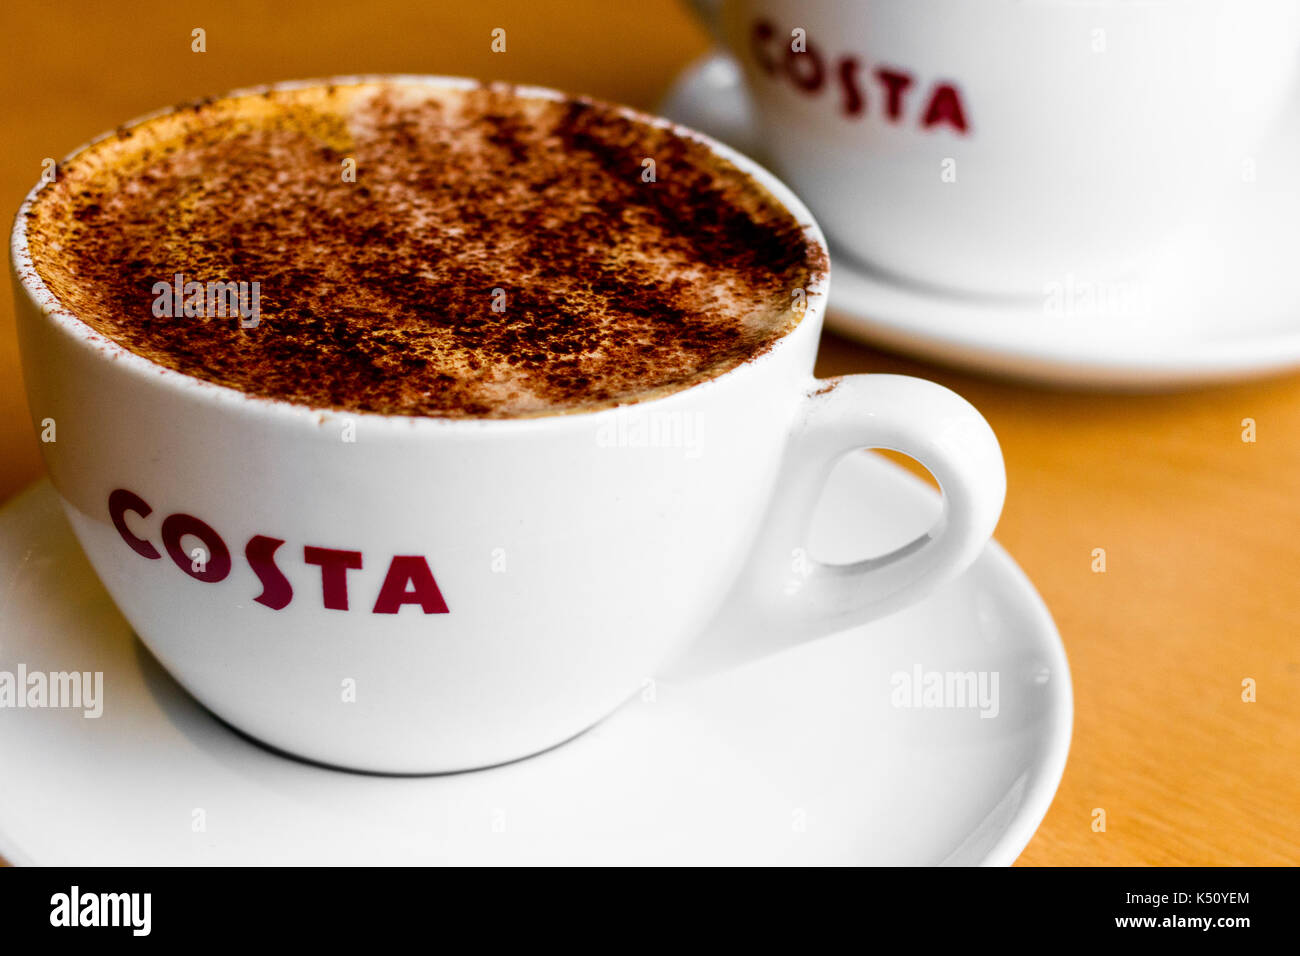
[(798, 758), (1221, 302)]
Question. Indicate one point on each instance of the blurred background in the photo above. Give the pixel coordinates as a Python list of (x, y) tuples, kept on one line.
[(1202, 588)]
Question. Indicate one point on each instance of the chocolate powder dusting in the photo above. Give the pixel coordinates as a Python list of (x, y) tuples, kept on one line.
[(497, 255)]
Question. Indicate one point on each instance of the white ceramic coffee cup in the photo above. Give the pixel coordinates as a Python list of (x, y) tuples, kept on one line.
[(1007, 146), (571, 559)]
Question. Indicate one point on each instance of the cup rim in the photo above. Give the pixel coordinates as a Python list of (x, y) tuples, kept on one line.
[(78, 330)]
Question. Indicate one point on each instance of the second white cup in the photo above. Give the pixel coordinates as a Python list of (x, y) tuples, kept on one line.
[(1004, 146)]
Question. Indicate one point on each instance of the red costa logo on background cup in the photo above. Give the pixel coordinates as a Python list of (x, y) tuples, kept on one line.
[(859, 89)]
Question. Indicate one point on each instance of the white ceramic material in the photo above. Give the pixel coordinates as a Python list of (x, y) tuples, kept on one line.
[(1001, 146), (560, 561), (800, 758), (1219, 301)]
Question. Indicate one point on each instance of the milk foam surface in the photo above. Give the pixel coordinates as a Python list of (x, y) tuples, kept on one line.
[(494, 255)]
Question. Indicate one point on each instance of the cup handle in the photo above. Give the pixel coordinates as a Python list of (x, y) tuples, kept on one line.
[(784, 598)]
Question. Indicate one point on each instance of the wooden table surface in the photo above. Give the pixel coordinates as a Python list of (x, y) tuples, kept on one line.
[(1202, 586)]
